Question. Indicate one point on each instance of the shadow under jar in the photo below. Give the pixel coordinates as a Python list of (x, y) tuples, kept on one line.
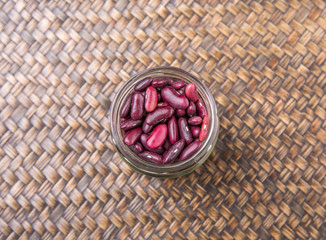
[(164, 170)]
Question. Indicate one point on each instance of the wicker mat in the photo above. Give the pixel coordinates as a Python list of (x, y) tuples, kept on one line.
[(61, 65)]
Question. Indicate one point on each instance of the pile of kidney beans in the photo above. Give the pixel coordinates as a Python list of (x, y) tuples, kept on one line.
[(164, 120)]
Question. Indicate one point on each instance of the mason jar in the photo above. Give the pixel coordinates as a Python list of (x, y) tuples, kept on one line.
[(164, 170)]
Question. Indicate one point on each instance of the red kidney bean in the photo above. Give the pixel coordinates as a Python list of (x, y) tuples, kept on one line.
[(195, 131), (201, 110), (173, 130), (142, 85), (167, 144), (162, 104), (159, 97), (184, 130), (158, 115), (178, 84), (196, 120), (157, 137), (143, 139), (137, 148), (172, 97), (191, 110), (180, 112), (189, 150), (161, 82), (130, 123), (204, 129), (147, 128), (132, 136), (123, 132), (150, 156), (173, 153), (150, 99), (191, 92), (125, 109), (137, 106), (181, 91)]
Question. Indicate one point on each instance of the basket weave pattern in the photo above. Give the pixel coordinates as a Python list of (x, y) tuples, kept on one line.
[(61, 65)]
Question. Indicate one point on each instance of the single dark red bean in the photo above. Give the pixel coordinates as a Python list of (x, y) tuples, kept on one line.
[(125, 109), (158, 115), (161, 82), (123, 132), (143, 84), (184, 130), (191, 92), (162, 104), (196, 120), (132, 136), (201, 109), (178, 84), (180, 112), (150, 156), (182, 90), (195, 131), (137, 106), (173, 98), (159, 97), (191, 110), (147, 128), (143, 139), (150, 99), (173, 130), (189, 150), (130, 123), (157, 137), (137, 147), (204, 129), (165, 152), (174, 151), (167, 144)]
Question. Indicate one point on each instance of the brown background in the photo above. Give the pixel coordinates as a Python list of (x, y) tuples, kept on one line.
[(61, 65)]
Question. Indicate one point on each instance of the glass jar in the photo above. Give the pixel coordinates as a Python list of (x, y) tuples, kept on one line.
[(164, 170)]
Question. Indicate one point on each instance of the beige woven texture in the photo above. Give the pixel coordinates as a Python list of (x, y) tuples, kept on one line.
[(61, 65)]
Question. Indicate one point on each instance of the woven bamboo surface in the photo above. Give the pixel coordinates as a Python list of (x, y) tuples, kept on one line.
[(61, 65)]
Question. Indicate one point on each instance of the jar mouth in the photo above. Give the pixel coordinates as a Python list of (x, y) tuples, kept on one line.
[(155, 169)]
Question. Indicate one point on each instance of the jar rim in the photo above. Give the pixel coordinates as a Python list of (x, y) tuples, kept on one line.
[(155, 169)]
